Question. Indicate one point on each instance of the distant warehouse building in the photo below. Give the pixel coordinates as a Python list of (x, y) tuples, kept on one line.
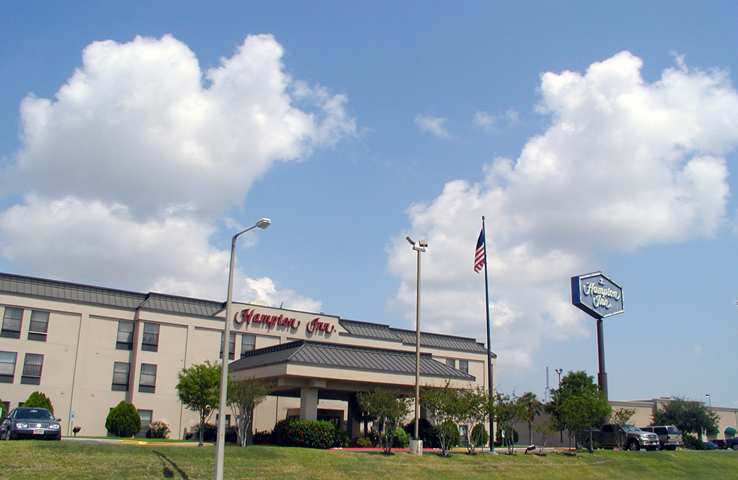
[(90, 347)]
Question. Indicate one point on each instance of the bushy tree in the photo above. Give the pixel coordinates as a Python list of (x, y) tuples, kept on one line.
[(473, 410), (39, 400), (123, 420), (445, 407), (530, 408), (388, 409), (198, 389), (688, 416), (622, 416), (578, 404), (507, 411), (243, 396)]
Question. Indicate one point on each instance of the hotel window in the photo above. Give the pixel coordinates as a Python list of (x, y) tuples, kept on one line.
[(7, 366), (451, 362), (231, 346), (12, 322), (464, 366), (248, 344), (146, 417), (121, 373), (150, 341), (124, 341), (32, 366), (147, 382), (39, 326)]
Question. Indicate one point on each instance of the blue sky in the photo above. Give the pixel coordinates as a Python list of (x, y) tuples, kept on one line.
[(341, 201)]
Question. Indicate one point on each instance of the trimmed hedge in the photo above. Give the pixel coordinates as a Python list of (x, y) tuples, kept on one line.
[(427, 432), (123, 420), (304, 433), (402, 439), (479, 435), (39, 400)]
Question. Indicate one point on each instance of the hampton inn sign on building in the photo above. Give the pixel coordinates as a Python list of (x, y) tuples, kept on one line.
[(90, 347)]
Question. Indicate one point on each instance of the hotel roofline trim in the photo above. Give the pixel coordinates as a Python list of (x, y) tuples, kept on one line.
[(37, 287)]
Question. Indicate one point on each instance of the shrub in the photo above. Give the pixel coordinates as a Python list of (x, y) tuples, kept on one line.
[(402, 439), (39, 400), (693, 442), (451, 430), (364, 442), (210, 433), (123, 420), (304, 433), (262, 438), (479, 435), (342, 439), (427, 433), (158, 429), (281, 434)]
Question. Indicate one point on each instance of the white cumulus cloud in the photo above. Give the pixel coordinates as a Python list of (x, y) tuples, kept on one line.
[(623, 164), (124, 173), (436, 126)]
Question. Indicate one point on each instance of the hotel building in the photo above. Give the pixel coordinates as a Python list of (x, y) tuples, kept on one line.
[(89, 347)]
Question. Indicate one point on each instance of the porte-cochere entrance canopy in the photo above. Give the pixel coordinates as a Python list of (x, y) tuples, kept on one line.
[(321, 370)]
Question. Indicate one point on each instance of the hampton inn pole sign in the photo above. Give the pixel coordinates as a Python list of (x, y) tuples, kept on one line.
[(600, 297)]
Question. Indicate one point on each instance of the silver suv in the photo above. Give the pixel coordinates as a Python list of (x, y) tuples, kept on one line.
[(670, 437)]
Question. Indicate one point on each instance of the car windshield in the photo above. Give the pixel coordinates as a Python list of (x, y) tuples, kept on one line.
[(673, 430), (631, 429), (33, 414)]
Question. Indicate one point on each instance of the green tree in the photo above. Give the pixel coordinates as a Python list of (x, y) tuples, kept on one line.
[(578, 404), (507, 411), (622, 416), (243, 396), (473, 410), (39, 400), (445, 406), (530, 408), (123, 420), (198, 390), (688, 416), (388, 409)]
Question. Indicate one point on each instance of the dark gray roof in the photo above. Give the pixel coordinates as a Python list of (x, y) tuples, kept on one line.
[(369, 330), (437, 340), (433, 340), (331, 355), (109, 297), (187, 306), (53, 289)]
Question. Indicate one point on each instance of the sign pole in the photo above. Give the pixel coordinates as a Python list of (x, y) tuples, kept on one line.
[(490, 374), (602, 375)]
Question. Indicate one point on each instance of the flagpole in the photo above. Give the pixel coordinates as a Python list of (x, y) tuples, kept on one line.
[(490, 375)]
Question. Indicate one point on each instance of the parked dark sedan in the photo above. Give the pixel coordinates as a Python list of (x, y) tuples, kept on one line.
[(23, 422)]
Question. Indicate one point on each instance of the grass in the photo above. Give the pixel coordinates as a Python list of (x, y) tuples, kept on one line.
[(50, 460)]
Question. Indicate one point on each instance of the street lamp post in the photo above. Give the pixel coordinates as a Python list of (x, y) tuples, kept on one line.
[(417, 447), (220, 443), (559, 371)]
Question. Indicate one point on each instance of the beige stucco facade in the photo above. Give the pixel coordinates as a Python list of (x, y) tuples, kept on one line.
[(80, 350)]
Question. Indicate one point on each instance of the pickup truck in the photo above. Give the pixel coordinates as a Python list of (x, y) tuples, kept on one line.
[(624, 436), (669, 436)]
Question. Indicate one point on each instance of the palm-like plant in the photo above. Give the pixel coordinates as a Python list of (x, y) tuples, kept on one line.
[(531, 407)]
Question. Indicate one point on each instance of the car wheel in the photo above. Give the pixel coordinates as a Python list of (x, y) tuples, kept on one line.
[(735, 447), (633, 446)]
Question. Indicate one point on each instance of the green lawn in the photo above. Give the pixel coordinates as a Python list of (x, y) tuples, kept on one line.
[(73, 460)]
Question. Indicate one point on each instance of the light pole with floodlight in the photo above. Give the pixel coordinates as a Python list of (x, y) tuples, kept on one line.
[(420, 246), (417, 446), (220, 443)]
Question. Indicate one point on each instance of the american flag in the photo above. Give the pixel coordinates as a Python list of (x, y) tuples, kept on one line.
[(479, 256)]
